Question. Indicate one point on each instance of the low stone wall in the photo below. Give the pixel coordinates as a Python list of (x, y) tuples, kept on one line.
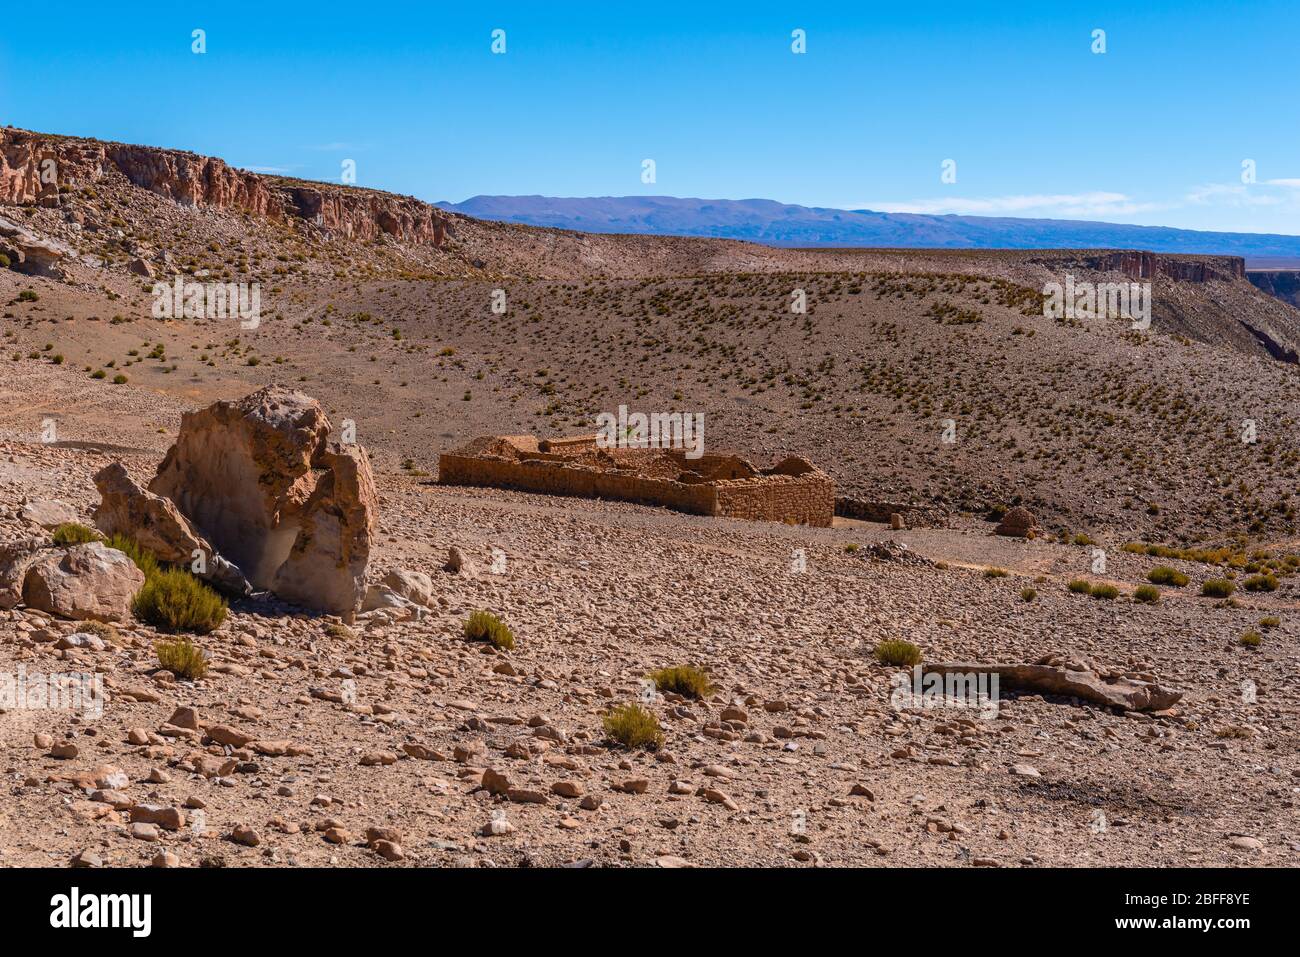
[(792, 492), (803, 499), (554, 478)]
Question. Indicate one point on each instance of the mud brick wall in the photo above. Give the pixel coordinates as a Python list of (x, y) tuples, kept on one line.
[(551, 478), (803, 499)]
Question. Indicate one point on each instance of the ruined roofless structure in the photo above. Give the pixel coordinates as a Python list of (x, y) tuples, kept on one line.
[(793, 491)]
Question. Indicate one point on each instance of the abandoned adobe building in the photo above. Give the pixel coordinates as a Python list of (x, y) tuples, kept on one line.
[(793, 491)]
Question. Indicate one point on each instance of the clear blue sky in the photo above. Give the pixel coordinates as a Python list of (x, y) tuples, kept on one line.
[(1153, 131)]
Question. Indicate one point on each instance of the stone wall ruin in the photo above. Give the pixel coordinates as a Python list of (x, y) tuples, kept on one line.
[(793, 491)]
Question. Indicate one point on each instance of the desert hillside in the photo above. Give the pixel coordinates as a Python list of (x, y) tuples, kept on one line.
[(383, 306), (338, 705)]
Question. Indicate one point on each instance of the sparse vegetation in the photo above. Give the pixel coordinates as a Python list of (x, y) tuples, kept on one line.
[(685, 680), (1146, 594), (143, 558), (1260, 583), (1028, 594), (633, 727), (1164, 575), (1105, 592), (485, 626), (1217, 588), (173, 600), (74, 533), (182, 659), (899, 653), (1251, 639), (1079, 586)]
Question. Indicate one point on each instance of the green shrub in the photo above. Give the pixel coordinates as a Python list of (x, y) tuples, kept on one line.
[(173, 600), (5, 262), (99, 374), (74, 533), (1251, 639), (1217, 588), (1028, 594), (632, 726), (143, 558), (485, 626), (1079, 587), (992, 572), (1164, 575), (897, 652), (1272, 621), (852, 547), (182, 659), (1105, 592), (27, 295), (685, 680), (1147, 594), (119, 379), (1264, 582)]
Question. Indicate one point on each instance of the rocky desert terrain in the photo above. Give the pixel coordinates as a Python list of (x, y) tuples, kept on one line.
[(929, 381)]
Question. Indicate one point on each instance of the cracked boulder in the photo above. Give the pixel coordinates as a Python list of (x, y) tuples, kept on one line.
[(259, 480)]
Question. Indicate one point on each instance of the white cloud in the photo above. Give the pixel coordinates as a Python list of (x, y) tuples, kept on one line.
[(1238, 194), (1042, 204)]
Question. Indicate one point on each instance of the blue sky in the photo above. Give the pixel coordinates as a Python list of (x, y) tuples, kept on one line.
[(1153, 131)]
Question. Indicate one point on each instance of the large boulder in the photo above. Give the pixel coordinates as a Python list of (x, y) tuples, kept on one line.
[(86, 582), (411, 585), (34, 255), (326, 568), (156, 524), (260, 481), (242, 471)]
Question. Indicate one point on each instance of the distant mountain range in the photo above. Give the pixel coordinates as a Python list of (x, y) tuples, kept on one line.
[(783, 224)]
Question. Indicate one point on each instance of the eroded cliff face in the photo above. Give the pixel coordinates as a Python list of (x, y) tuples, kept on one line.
[(359, 214), (1144, 265), (1283, 284), (33, 168)]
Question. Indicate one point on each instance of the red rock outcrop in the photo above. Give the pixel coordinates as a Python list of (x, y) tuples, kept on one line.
[(194, 180)]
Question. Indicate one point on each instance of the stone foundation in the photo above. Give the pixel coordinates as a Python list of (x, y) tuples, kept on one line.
[(793, 491)]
